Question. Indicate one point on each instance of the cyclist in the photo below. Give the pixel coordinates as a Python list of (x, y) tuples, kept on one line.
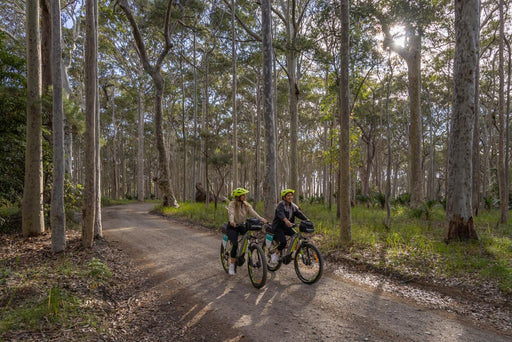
[(238, 210), (284, 217)]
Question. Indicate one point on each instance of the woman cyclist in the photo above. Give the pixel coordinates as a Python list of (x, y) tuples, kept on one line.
[(238, 210), (284, 217)]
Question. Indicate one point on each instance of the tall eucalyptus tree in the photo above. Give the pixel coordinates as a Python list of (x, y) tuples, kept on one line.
[(57, 214), (415, 16), (32, 208), (344, 185), (270, 177), (502, 178), (154, 70), (459, 192), (91, 108), (234, 92)]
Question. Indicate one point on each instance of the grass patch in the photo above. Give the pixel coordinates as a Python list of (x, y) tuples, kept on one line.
[(49, 295), (207, 216)]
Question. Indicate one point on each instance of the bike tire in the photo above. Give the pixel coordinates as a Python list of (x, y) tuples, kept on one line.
[(257, 266), (268, 254), (225, 257), (309, 263)]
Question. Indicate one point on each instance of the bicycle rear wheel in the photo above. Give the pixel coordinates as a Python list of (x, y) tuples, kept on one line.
[(309, 263), (257, 266), (225, 255)]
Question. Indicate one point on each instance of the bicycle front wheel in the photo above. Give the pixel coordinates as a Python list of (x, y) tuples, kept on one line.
[(309, 263), (257, 266)]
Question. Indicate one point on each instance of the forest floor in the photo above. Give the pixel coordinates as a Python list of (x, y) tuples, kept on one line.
[(167, 285)]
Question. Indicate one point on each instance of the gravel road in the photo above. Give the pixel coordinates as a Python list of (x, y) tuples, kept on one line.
[(185, 261)]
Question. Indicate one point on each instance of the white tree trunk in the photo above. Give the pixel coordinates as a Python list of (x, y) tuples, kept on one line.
[(32, 208), (459, 192), (57, 214), (91, 76), (269, 178)]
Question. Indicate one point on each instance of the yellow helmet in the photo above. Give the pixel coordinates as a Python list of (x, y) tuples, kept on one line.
[(286, 192), (239, 192)]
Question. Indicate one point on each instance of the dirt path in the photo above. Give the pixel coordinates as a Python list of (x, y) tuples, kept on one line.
[(184, 262)]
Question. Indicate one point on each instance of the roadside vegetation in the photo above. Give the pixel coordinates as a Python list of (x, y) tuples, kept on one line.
[(413, 247)]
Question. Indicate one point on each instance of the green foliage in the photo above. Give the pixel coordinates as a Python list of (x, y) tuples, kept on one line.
[(12, 122), (10, 218), (98, 270)]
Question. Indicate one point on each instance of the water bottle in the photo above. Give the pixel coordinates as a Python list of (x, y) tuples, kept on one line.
[(224, 240), (268, 240)]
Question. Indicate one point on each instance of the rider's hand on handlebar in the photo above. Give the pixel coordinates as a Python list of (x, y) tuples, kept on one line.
[(233, 224)]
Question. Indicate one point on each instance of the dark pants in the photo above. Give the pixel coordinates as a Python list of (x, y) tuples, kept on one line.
[(233, 237), (280, 235)]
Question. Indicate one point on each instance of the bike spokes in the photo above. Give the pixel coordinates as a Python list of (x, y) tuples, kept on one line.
[(308, 263), (257, 266)]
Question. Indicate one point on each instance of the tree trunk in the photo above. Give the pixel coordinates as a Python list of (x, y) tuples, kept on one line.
[(140, 145), (89, 207), (57, 217), (269, 178), (98, 227), (415, 131), (390, 157), (32, 208), (459, 192), (502, 179), (344, 185), (234, 91), (257, 181), (164, 183), (293, 93), (476, 143)]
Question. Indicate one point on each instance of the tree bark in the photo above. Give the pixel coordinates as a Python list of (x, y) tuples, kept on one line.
[(57, 214), (269, 178), (32, 208), (459, 192), (234, 91), (91, 76), (502, 179), (140, 145), (344, 185)]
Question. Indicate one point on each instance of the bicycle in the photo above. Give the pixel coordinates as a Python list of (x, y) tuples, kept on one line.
[(247, 244), (307, 259)]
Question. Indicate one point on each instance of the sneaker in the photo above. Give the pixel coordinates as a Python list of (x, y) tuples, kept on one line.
[(274, 258), (231, 269)]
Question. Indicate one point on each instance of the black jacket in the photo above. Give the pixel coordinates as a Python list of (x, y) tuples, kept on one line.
[(283, 210)]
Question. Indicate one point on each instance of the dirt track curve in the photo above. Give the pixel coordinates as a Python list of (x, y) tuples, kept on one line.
[(185, 261)]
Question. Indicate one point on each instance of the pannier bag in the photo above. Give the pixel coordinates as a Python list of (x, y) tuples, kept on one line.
[(253, 224), (225, 228), (306, 227)]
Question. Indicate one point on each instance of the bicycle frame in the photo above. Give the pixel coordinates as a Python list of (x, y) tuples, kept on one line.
[(244, 242), (248, 248)]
